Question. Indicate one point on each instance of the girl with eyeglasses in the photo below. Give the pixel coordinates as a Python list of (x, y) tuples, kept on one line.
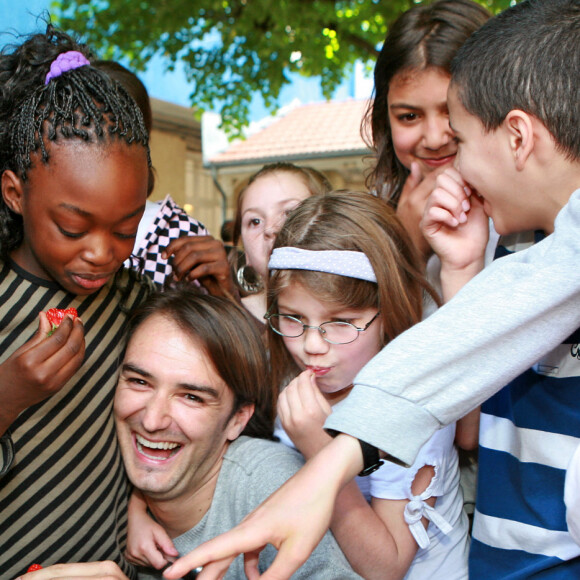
[(345, 279)]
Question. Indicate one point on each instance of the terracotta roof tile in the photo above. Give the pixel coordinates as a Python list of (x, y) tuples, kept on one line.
[(330, 128)]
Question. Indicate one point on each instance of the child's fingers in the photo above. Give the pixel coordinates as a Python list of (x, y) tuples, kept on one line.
[(155, 559), (214, 566), (310, 395), (292, 403), (71, 349), (190, 250), (175, 246), (451, 197), (251, 561), (452, 182), (444, 208), (36, 371), (69, 335), (286, 562), (202, 258), (219, 271), (293, 519), (414, 178), (449, 183), (292, 409), (453, 174), (142, 561), (436, 217), (44, 327), (67, 370), (217, 570), (320, 399), (206, 263), (303, 393), (65, 362), (216, 556), (164, 543), (201, 242)]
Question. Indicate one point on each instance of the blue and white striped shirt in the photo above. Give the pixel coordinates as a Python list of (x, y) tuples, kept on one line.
[(529, 431)]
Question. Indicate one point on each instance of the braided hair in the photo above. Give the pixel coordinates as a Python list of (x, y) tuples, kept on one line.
[(83, 104)]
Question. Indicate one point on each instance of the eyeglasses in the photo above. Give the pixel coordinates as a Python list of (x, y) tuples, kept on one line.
[(332, 332)]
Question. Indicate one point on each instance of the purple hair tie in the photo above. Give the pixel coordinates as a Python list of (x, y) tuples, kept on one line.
[(64, 62)]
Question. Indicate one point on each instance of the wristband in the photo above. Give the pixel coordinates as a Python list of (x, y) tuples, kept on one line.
[(371, 460)]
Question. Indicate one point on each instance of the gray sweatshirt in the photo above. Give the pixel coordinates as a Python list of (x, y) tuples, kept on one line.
[(497, 326)]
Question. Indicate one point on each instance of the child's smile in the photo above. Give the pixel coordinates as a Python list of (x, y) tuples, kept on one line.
[(419, 119)]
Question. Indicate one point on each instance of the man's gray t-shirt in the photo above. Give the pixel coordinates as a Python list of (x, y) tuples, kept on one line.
[(252, 470)]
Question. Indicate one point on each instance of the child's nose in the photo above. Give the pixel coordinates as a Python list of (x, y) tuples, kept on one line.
[(313, 341), (273, 227), (99, 251), (271, 232), (438, 132)]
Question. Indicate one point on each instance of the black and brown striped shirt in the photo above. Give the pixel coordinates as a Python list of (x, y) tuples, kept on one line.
[(63, 498)]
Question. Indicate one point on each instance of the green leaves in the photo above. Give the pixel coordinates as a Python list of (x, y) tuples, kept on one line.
[(232, 48)]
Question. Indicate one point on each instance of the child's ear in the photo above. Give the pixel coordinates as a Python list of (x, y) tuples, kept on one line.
[(520, 128), (12, 191), (239, 421)]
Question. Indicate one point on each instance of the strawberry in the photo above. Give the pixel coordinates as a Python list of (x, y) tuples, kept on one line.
[(34, 568), (56, 316)]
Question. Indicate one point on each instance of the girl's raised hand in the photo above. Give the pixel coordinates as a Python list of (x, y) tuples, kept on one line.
[(202, 258), (303, 410), (411, 205), (41, 367), (454, 222), (457, 228)]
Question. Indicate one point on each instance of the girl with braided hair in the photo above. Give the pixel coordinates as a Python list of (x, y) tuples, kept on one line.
[(74, 166)]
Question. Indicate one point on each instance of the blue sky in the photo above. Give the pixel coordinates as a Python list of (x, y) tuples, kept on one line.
[(21, 16)]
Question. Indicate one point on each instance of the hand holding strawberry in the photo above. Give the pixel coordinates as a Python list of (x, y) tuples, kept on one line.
[(40, 367), (56, 316), (34, 568)]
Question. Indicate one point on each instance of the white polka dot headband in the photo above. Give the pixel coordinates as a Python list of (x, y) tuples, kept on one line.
[(341, 262)]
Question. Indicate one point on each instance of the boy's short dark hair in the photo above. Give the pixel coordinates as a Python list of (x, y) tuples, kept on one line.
[(526, 58)]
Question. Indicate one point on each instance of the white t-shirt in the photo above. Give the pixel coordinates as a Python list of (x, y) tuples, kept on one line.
[(444, 546)]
